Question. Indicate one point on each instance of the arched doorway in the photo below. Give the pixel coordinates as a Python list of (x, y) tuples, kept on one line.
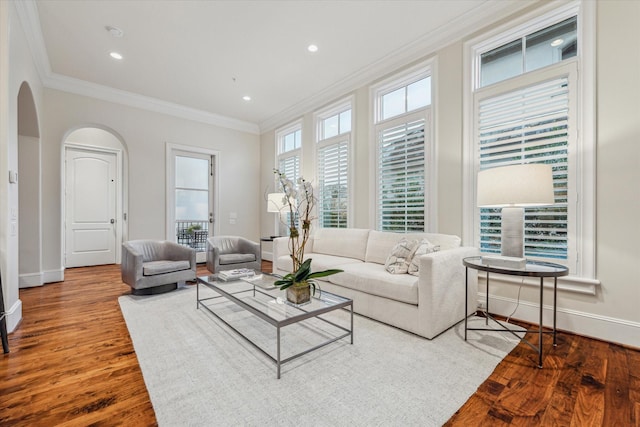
[(94, 197), (29, 199)]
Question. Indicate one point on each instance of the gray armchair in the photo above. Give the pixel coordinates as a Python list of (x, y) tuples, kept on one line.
[(230, 252), (153, 266)]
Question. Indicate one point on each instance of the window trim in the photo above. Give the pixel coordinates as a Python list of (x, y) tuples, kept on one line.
[(280, 133), (404, 78), (424, 69), (530, 26), (324, 113), (585, 271), (284, 131)]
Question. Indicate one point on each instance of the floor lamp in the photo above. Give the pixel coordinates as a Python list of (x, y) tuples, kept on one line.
[(513, 188)]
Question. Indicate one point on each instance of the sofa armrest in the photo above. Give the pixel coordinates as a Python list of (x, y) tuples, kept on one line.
[(441, 289), (131, 268), (280, 247)]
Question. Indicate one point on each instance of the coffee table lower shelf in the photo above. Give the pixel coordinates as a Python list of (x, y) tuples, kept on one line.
[(325, 303)]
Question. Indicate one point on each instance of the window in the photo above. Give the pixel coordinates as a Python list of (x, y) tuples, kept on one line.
[(531, 103), (289, 143), (401, 177), (289, 149), (333, 145), (406, 98), (539, 49), (529, 125), (193, 199), (404, 202)]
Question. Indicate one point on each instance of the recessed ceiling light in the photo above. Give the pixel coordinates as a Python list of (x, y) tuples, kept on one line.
[(557, 42), (312, 48), (246, 98), (115, 55)]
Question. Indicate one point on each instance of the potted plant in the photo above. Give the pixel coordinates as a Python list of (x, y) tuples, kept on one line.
[(300, 203), (192, 229)]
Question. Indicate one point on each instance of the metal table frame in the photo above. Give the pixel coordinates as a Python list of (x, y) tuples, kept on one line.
[(279, 324), (555, 271)]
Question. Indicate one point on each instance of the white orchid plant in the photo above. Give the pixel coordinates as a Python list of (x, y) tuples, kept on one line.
[(300, 202)]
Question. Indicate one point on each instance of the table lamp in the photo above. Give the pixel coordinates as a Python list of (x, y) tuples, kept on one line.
[(275, 202), (513, 188)]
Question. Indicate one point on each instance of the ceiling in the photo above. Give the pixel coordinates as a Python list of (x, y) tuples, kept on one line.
[(202, 57)]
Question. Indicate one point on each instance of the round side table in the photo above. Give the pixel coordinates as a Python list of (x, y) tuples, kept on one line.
[(531, 269)]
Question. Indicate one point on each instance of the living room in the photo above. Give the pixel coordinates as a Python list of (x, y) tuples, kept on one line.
[(598, 299)]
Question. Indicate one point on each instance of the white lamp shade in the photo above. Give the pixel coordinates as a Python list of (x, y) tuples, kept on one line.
[(516, 185), (275, 202)]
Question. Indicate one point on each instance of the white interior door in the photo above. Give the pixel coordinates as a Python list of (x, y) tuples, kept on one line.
[(90, 207)]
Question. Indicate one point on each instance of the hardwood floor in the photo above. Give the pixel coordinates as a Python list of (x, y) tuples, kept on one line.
[(72, 363)]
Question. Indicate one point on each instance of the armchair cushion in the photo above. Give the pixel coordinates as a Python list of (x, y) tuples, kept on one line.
[(152, 268), (236, 258)]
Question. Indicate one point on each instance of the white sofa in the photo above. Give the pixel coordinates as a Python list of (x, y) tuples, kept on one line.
[(427, 304)]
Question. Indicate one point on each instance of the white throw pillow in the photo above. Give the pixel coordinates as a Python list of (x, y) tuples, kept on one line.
[(400, 256), (424, 247)]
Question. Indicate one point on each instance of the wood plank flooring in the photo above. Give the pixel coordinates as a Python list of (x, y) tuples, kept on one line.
[(72, 363)]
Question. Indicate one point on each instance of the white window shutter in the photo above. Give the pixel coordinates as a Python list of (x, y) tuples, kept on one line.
[(401, 176), (333, 162), (528, 125)]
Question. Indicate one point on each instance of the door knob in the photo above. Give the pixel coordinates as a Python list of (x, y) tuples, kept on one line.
[(113, 221)]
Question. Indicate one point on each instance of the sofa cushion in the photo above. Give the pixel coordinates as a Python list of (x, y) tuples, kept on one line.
[(424, 247), (236, 258), (400, 256), (373, 279), (153, 268), (344, 242)]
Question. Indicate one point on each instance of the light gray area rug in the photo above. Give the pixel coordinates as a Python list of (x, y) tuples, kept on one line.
[(201, 373)]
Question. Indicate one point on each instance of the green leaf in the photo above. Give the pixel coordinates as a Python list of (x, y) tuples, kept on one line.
[(324, 273), (303, 272)]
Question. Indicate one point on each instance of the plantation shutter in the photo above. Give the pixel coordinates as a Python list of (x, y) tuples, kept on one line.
[(332, 176), (401, 174), (290, 166), (529, 125)]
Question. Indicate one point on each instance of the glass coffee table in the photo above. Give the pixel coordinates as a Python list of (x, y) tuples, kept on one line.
[(258, 295)]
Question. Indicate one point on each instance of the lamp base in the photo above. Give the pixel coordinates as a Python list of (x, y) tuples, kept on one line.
[(512, 234)]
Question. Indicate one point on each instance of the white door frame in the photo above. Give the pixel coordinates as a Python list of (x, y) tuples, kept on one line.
[(171, 149), (118, 195)]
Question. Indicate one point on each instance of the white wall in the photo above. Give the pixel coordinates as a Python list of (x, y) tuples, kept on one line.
[(16, 67), (618, 164), (612, 314), (29, 210), (145, 135)]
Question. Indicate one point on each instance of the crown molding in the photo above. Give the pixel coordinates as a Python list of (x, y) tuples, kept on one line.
[(484, 14), (117, 96), (28, 15), (27, 11)]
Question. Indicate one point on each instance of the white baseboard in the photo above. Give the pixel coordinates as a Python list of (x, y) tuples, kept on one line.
[(30, 280), (14, 316), (590, 325), (267, 256), (53, 276)]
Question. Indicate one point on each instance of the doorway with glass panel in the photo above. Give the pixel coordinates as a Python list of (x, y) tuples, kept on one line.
[(191, 199)]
